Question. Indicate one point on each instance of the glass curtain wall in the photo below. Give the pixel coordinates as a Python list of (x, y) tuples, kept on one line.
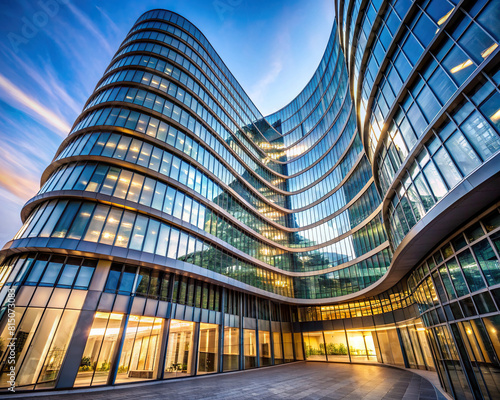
[(140, 350), (208, 348), (230, 360), (179, 359), (99, 350), (42, 337), (250, 348)]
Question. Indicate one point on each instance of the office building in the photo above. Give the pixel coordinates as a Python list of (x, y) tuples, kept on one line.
[(179, 232)]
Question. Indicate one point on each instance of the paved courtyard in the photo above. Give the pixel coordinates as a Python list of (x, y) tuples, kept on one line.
[(294, 381)]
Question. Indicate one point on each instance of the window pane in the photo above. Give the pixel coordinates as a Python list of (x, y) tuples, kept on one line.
[(484, 139), (487, 261), (447, 168), (471, 271), (463, 154)]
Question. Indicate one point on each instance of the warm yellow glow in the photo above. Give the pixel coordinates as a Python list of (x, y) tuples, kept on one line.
[(496, 116), (462, 66), (421, 329), (443, 19), (489, 50)]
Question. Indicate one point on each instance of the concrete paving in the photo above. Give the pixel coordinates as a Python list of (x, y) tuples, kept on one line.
[(311, 380)]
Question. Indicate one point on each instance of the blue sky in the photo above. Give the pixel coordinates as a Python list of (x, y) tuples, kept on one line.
[(53, 52)]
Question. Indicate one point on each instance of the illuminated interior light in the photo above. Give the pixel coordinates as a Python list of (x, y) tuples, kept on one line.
[(489, 50), (462, 66), (443, 19)]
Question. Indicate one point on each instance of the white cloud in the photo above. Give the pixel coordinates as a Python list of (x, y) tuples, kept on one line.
[(24, 102), (259, 90), (91, 28)]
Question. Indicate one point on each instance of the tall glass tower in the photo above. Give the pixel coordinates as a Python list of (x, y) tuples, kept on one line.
[(179, 232)]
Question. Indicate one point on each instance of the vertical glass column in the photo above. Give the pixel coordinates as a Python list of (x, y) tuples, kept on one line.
[(315, 346), (390, 350), (42, 338), (288, 346), (278, 348), (361, 346), (140, 349), (207, 348), (178, 361), (336, 346), (265, 348), (231, 350), (250, 348), (101, 343), (299, 350)]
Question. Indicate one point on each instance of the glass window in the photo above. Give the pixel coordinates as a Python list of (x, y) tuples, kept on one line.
[(361, 346), (471, 271), (442, 85), (69, 272), (484, 139), (52, 271), (457, 278), (99, 350), (314, 346), (85, 275), (52, 220), (173, 243), (39, 355), (428, 103), (161, 248), (140, 350), (151, 236), (208, 348), (336, 346), (96, 223), (491, 109), (487, 261), (462, 152), (435, 182), (231, 349), (113, 277), (250, 348), (491, 221), (125, 230), (265, 348), (37, 269), (458, 64), (447, 167), (179, 359), (299, 353), (127, 280), (138, 232), (112, 221)]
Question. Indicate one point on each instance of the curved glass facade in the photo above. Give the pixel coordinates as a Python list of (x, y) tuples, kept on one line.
[(176, 216)]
